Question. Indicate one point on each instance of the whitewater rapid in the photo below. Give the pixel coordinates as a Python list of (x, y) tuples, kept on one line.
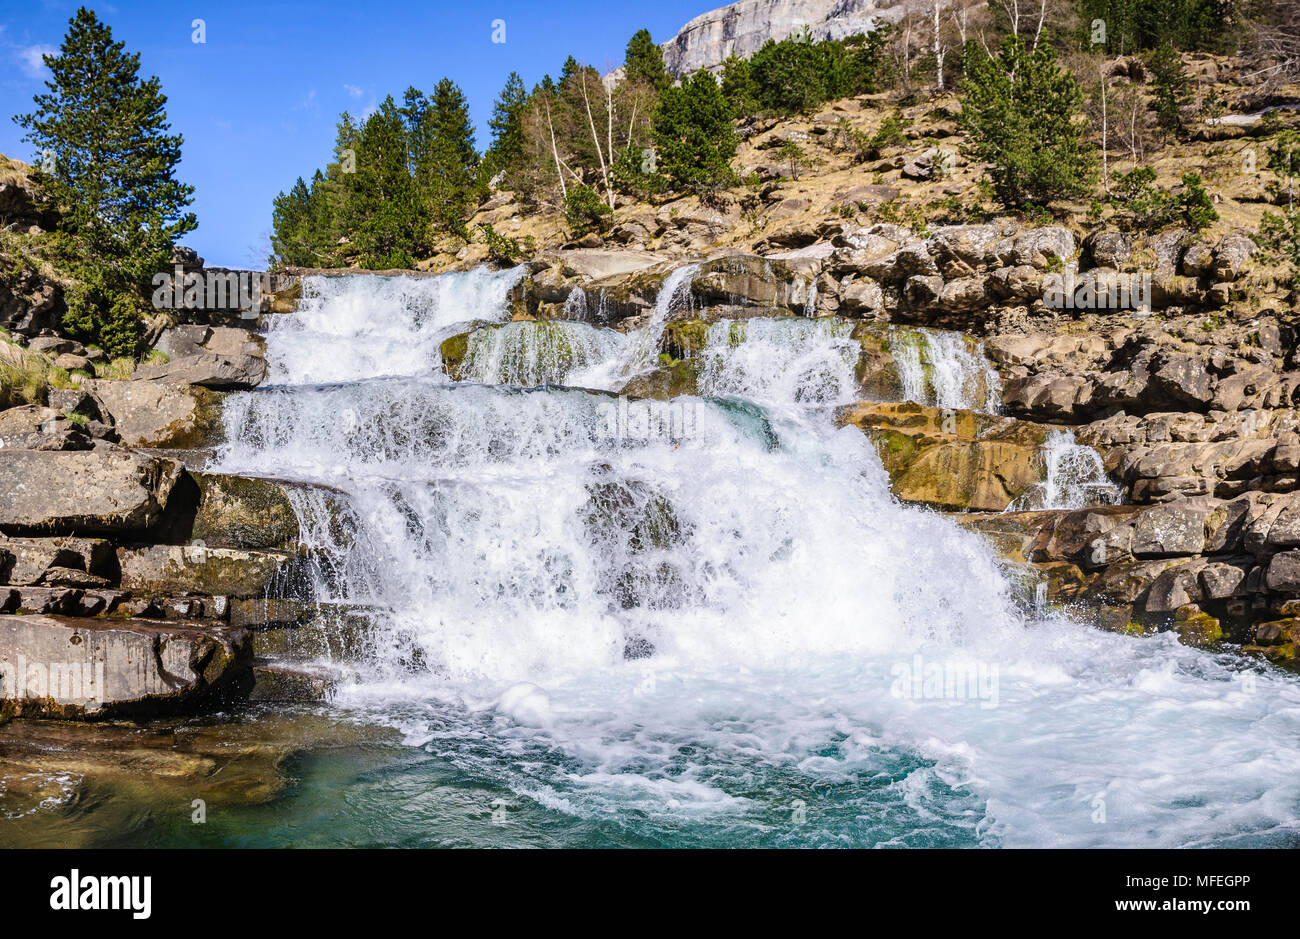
[(708, 621)]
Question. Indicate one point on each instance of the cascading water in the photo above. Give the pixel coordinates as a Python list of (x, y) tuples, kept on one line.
[(727, 634), (644, 348), (541, 352), (939, 368), (1075, 477), (782, 360)]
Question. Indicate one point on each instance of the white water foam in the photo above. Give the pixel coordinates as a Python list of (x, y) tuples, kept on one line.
[(542, 352), (685, 637), (353, 325), (781, 361), (939, 368), (1074, 477)]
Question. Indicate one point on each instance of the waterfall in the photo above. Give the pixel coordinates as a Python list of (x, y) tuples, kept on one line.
[(1074, 477), (538, 352), (941, 369), (644, 349), (782, 361), (575, 304), (671, 636), (350, 325)]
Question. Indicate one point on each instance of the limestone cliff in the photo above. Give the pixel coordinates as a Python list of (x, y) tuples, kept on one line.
[(741, 28)]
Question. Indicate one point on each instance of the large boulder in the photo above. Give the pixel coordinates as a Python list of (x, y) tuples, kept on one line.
[(224, 511), (951, 459), (749, 281), (223, 358), (91, 669), (209, 369), (92, 492), (169, 570), (161, 414)]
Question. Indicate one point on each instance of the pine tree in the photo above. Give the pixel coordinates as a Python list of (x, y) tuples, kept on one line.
[(788, 75), (738, 86), (1023, 113), (567, 71), (393, 221), (290, 241), (693, 134), (1171, 86), (453, 161), (507, 124), (644, 62), (114, 177)]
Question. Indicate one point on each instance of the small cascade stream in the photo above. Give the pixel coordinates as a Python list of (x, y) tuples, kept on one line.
[(727, 633), (942, 369), (1075, 477)]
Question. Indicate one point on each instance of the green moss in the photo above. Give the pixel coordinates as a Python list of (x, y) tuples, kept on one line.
[(684, 338), (1197, 628)]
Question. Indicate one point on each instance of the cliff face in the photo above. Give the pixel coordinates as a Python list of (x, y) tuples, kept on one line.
[(741, 28)]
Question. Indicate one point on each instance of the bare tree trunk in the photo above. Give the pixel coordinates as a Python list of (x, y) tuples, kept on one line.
[(595, 139), (555, 151), (631, 124), (1042, 15), (1105, 161), (938, 46), (609, 133)]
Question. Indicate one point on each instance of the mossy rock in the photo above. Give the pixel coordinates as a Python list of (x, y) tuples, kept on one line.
[(243, 512), (286, 301), (667, 381), (171, 570), (684, 339), (1197, 628), (454, 350)]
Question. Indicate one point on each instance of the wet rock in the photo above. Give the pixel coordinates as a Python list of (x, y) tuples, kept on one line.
[(89, 669), (290, 683), (951, 459), (748, 280), (245, 512), (181, 569), (1196, 628)]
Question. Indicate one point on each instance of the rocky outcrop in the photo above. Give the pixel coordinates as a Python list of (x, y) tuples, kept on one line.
[(1180, 565), (741, 28), (90, 669), (222, 358), (160, 414), (951, 459), (93, 492)]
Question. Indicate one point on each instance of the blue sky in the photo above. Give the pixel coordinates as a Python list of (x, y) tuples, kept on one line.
[(257, 102)]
